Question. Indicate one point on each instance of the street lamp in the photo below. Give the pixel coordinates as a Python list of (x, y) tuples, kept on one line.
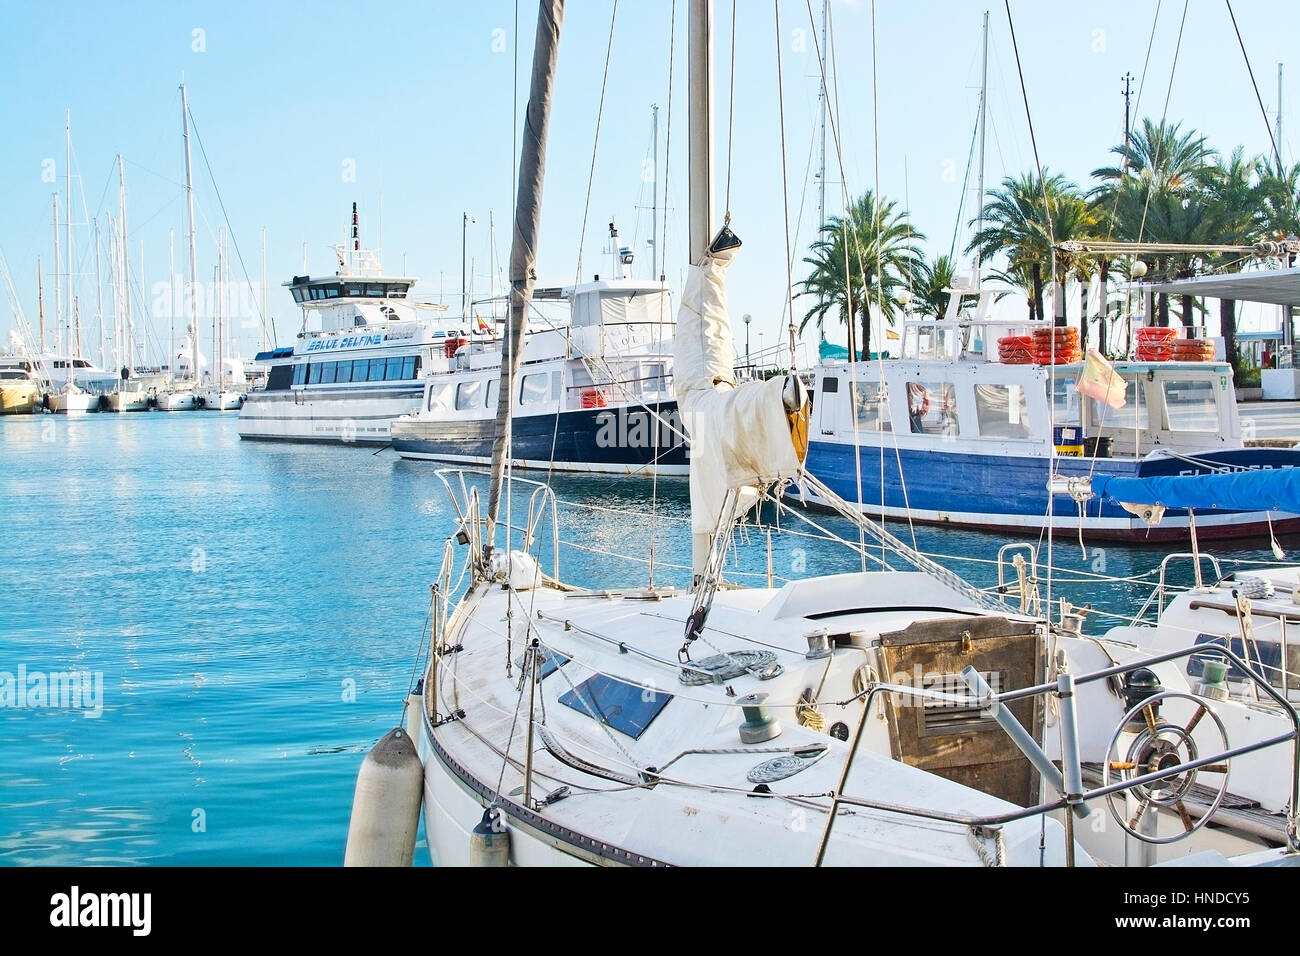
[(748, 318)]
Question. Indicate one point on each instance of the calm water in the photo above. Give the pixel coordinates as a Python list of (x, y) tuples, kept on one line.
[(255, 611)]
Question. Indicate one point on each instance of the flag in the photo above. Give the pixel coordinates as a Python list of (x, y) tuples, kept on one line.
[(483, 326), (1101, 381)]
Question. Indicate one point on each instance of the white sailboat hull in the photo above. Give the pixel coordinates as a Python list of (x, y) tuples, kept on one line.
[(74, 403), (221, 400), (180, 401), (128, 402)]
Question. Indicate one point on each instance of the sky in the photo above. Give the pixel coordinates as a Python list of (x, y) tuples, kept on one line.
[(410, 110)]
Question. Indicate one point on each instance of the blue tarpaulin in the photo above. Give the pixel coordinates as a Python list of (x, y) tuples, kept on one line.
[(1273, 489)]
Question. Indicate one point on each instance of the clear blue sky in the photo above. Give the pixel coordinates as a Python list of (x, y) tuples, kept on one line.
[(416, 98)]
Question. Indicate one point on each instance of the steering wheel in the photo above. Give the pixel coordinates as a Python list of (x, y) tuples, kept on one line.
[(1162, 746)]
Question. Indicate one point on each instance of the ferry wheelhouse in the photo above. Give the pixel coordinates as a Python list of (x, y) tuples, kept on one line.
[(594, 393), (360, 369), (949, 434)]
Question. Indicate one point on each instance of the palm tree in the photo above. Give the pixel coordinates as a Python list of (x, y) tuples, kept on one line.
[(1236, 190), (930, 285), (865, 258), (1017, 225), (1156, 153)]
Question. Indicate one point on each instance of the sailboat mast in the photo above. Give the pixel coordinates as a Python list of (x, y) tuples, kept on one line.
[(171, 302), (58, 279), (984, 96), (821, 97), (654, 192), (40, 303), (194, 267), (699, 134), (523, 246), (265, 341), (99, 295), (124, 257), (67, 226)]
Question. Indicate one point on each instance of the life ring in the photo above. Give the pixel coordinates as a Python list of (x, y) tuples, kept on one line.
[(918, 399)]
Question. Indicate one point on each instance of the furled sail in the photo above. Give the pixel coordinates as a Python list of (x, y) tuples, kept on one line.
[(1274, 489), (743, 437)]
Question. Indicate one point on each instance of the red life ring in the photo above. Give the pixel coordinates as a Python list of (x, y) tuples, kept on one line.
[(918, 399)]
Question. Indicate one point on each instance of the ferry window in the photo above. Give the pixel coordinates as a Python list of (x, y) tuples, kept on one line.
[(374, 290), (279, 378), (467, 394), (438, 395), (494, 387), (327, 373), (343, 373), (872, 404), (354, 290), (377, 366), (1190, 406), (655, 378), (1132, 414), (299, 374), (313, 373), (830, 384), (1065, 401), (534, 388), (408, 367), (1002, 411), (393, 372), (297, 295), (932, 408), (557, 385)]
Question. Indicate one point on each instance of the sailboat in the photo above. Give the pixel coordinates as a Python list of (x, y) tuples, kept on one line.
[(716, 725), (130, 394), (72, 398), (181, 394), (224, 392)]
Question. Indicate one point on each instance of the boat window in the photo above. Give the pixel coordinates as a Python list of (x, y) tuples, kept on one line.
[(438, 398), (534, 388), (327, 373), (932, 408), (331, 292), (467, 395), (313, 373), (1002, 410), (1065, 400), (279, 378), (354, 290), (343, 373), (1190, 406), (1265, 658), (297, 295), (626, 707), (299, 374), (1132, 414), (408, 367), (494, 387), (377, 366), (374, 290), (393, 373), (654, 383), (872, 404), (830, 384)]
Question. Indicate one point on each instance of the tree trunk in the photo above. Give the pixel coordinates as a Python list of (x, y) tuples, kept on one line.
[(1105, 307), (1162, 310), (1083, 311), (853, 354), (1038, 290), (1228, 329), (866, 333), (1189, 317)]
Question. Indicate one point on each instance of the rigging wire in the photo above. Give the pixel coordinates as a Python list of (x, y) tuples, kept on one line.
[(595, 142), (785, 188), (1277, 155)]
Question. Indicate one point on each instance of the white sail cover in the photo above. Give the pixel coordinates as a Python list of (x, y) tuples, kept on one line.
[(740, 435)]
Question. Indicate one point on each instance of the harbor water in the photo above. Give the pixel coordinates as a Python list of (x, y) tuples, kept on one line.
[(248, 617)]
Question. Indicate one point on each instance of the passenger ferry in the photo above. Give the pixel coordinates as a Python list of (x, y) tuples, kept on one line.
[(350, 379), (594, 393), (949, 434)]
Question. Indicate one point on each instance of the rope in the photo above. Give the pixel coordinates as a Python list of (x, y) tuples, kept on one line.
[(1259, 99), (591, 173), (731, 110), (785, 188)]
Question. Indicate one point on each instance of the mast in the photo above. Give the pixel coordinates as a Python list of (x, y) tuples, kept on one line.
[(984, 99), (67, 226), (171, 302), (124, 252), (99, 295), (1279, 120), (654, 193), (40, 304), (821, 102), (265, 341), (700, 142), (523, 246), (194, 266), (58, 278)]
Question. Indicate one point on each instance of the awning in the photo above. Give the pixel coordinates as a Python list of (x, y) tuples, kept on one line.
[(1273, 287)]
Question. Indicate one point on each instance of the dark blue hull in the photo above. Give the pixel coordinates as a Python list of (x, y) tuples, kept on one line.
[(623, 440)]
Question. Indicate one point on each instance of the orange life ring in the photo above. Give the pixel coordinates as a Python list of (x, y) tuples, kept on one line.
[(918, 399)]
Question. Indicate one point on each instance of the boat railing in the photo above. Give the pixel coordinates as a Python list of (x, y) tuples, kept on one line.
[(1026, 571), (1068, 780), (1157, 595)]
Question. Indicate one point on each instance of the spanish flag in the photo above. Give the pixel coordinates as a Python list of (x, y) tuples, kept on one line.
[(483, 326), (1100, 381)]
